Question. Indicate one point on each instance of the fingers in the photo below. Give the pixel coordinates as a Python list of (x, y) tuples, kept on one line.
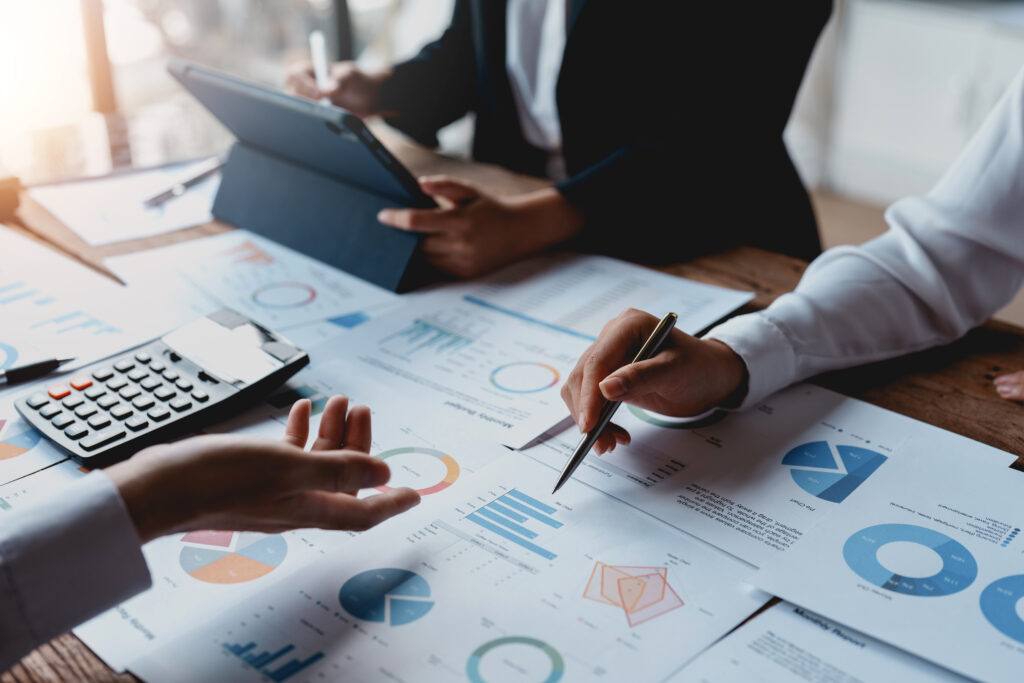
[(296, 430), (332, 425), (355, 514), (651, 376), (358, 435), (336, 471), (429, 221), (454, 190), (612, 436), (302, 81), (1011, 387)]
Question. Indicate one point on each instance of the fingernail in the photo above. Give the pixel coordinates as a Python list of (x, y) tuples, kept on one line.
[(383, 215), (1006, 391), (581, 426), (613, 387)]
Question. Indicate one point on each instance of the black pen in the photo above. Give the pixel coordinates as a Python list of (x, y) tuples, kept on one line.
[(180, 188), (32, 370), (650, 347)]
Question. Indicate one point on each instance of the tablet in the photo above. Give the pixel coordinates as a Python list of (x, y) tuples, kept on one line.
[(319, 136)]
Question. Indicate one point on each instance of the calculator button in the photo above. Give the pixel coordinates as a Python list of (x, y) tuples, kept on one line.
[(59, 391), (86, 410), (76, 431), (99, 421), (95, 392), (117, 383), (157, 367), (149, 384), (103, 374), (200, 395), (136, 423), (128, 393), (171, 375), (72, 402), (165, 393), (137, 375), (124, 365), (37, 401), (120, 412), (143, 357), (49, 411), (183, 384), (107, 401), (62, 421), (81, 382), (143, 402), (159, 414), (100, 439), (181, 404)]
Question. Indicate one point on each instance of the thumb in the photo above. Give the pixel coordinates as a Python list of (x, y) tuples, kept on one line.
[(638, 379), (457, 191)]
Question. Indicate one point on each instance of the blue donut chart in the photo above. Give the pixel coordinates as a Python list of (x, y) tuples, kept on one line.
[(999, 606), (959, 568)]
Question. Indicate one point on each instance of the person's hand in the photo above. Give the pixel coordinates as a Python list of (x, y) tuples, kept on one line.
[(350, 87), (1011, 387), (687, 377), (474, 232), (247, 484)]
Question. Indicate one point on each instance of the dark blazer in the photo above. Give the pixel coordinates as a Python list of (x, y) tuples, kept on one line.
[(672, 116)]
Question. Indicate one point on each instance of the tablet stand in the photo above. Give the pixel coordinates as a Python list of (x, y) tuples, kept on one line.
[(316, 214)]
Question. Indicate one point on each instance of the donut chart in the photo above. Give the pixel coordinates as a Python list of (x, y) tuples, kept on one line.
[(959, 568), (451, 465), (709, 417), (282, 295), (473, 664), (999, 606), (8, 356), (524, 377)]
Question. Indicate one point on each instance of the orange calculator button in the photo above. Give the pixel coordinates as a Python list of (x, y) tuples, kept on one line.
[(59, 391), (80, 382)]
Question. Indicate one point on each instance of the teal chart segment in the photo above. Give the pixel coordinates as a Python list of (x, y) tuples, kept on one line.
[(959, 568), (833, 485), (999, 605), (473, 664), (388, 595)]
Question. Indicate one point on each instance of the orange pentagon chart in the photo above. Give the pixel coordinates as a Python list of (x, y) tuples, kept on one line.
[(642, 593), (207, 556)]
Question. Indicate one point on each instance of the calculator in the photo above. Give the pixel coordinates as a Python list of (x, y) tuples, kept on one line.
[(177, 384)]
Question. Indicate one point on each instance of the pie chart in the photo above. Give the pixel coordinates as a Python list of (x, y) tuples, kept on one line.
[(706, 418), (18, 439), (8, 356), (426, 469), (280, 295), (827, 481), (999, 603), (207, 555), (959, 568), (387, 596), (524, 377)]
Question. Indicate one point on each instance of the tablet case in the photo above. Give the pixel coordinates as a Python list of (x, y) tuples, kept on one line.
[(316, 214)]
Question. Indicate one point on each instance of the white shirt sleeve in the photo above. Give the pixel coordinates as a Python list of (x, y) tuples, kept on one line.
[(948, 262), (63, 560)]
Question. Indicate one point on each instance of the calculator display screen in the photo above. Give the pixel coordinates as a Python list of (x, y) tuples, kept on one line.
[(231, 354)]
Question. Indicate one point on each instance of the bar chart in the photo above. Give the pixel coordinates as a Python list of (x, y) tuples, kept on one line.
[(262, 661), (511, 517)]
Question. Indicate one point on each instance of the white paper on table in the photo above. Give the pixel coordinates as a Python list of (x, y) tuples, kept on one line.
[(493, 372), (186, 568), (256, 277), (53, 307), (15, 494), (23, 450), (787, 644), (754, 482), (112, 209), (579, 586), (932, 563), (579, 293)]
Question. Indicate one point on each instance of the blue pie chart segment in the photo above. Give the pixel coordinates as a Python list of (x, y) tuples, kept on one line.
[(860, 463), (813, 454), (999, 605), (369, 595), (959, 568)]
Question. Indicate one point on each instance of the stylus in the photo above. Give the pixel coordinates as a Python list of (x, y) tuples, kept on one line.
[(181, 187), (321, 69)]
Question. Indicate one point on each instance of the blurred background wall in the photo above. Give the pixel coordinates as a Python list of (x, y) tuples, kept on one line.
[(894, 91)]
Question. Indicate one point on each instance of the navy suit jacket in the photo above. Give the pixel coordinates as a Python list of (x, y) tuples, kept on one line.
[(671, 112)]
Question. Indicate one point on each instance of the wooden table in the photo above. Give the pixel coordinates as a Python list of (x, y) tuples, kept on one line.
[(950, 387)]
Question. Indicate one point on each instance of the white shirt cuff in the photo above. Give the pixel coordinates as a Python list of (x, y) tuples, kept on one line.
[(67, 558), (767, 352)]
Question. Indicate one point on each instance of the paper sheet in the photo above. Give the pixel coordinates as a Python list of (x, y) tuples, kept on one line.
[(507, 583), (265, 281), (15, 494), (582, 292), (23, 450), (192, 573), (932, 563), (753, 483), (787, 644), (111, 209), (53, 307)]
